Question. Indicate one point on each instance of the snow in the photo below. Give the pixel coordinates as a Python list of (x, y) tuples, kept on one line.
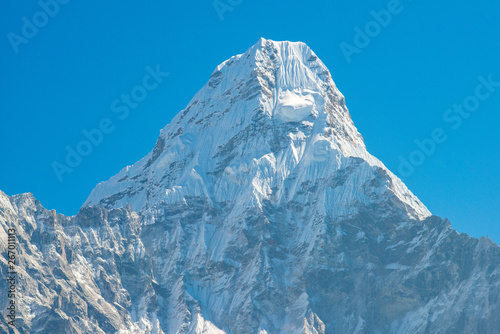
[(296, 105), (396, 266), (295, 87), (252, 206)]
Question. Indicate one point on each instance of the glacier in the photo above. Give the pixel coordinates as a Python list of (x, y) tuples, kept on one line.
[(259, 210)]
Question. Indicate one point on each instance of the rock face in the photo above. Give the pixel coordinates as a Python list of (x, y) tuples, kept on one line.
[(259, 210)]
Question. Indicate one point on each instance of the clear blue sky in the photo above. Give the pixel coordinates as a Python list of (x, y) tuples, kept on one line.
[(65, 76)]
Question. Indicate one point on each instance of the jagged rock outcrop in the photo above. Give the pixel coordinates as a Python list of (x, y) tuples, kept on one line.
[(259, 210)]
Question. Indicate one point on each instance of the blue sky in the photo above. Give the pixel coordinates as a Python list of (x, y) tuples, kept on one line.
[(62, 77)]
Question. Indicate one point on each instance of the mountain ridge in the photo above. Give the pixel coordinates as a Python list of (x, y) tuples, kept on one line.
[(289, 85), (259, 210)]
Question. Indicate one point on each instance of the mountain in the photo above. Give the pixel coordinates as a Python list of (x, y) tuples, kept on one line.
[(259, 210), (266, 122)]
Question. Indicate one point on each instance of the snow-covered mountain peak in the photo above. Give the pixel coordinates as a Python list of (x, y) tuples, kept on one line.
[(260, 212), (266, 122), (282, 80)]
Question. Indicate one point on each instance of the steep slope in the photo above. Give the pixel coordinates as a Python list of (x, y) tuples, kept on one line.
[(266, 122), (82, 274), (112, 272), (259, 210)]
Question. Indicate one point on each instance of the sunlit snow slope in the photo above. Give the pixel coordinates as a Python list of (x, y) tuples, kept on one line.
[(259, 211), (267, 121)]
